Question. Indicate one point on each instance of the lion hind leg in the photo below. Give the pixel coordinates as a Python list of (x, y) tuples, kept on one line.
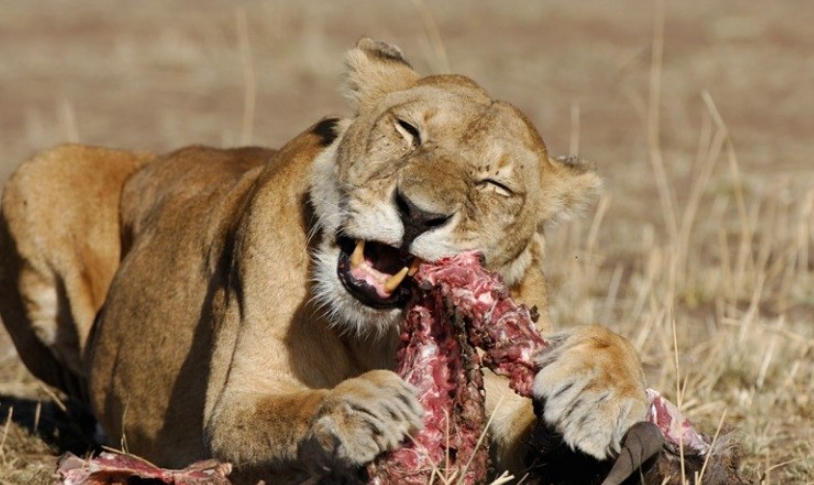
[(59, 249)]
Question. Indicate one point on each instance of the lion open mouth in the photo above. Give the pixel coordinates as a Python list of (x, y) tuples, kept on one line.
[(374, 273)]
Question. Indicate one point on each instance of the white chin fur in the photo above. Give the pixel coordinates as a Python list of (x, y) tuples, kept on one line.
[(343, 311)]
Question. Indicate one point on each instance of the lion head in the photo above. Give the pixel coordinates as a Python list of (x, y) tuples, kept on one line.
[(428, 167)]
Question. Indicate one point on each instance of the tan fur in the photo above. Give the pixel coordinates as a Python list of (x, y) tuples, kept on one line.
[(59, 234), (226, 332)]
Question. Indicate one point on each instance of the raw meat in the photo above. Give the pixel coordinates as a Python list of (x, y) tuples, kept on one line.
[(456, 306), (120, 468)]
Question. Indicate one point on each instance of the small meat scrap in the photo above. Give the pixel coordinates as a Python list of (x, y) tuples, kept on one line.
[(686, 451), (122, 469), (676, 429)]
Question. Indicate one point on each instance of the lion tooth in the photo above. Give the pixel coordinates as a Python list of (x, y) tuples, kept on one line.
[(394, 281), (358, 254), (414, 267)]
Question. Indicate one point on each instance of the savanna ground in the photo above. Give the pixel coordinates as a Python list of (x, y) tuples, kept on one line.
[(698, 114)]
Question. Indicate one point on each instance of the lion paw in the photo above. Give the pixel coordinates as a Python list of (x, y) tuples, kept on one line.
[(359, 419), (591, 389)]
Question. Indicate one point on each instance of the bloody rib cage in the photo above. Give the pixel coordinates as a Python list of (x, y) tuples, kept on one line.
[(440, 360)]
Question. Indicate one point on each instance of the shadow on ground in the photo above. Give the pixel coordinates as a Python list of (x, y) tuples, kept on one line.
[(64, 429)]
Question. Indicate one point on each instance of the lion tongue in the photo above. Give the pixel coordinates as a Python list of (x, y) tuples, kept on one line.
[(383, 283), (374, 269)]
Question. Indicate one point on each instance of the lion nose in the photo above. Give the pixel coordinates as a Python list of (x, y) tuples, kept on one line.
[(416, 220)]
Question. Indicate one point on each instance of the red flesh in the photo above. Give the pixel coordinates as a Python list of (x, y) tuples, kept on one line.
[(436, 358), (504, 330), (433, 360), (120, 468), (458, 306)]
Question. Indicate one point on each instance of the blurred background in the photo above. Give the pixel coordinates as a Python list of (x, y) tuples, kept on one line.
[(699, 116)]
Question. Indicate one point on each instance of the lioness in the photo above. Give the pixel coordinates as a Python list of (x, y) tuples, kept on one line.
[(244, 304)]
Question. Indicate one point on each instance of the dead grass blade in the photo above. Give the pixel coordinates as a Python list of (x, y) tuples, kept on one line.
[(5, 433), (441, 63), (249, 77)]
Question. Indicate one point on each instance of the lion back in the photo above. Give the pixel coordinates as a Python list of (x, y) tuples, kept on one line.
[(59, 249)]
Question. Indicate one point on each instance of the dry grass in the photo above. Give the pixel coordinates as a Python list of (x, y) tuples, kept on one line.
[(701, 250)]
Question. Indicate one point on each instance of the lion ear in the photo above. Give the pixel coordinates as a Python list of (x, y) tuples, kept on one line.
[(373, 69), (570, 184)]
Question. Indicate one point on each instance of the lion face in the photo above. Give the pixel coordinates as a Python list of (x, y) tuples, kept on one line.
[(428, 168)]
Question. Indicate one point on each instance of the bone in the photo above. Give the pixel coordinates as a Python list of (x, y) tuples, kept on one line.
[(116, 467), (642, 441)]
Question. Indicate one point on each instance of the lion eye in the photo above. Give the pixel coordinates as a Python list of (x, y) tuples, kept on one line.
[(497, 187), (409, 132)]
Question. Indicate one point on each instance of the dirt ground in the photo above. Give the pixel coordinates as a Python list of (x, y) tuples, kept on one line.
[(703, 135)]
